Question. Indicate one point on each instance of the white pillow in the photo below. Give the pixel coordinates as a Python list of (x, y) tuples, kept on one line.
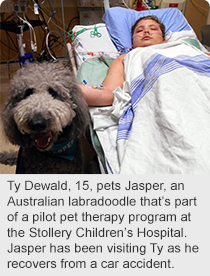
[(188, 36), (87, 46)]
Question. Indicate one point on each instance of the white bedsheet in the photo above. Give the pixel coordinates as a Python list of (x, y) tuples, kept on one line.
[(165, 127)]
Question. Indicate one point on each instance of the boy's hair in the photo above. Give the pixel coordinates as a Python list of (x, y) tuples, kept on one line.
[(152, 17)]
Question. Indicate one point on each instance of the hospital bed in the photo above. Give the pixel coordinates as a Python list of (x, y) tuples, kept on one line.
[(159, 122)]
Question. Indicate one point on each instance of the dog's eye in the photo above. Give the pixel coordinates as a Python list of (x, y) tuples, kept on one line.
[(52, 92), (28, 92)]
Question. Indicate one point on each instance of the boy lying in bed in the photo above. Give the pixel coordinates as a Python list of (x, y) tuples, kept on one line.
[(146, 31)]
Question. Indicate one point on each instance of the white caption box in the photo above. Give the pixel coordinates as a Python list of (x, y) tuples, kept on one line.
[(99, 224)]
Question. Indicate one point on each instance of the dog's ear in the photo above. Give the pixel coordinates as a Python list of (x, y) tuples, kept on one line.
[(10, 127), (79, 105), (82, 118)]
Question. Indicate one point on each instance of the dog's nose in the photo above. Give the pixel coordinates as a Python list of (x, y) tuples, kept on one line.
[(37, 123)]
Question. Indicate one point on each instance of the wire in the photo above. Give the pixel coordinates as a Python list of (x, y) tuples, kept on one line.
[(147, 6), (33, 43), (69, 25), (54, 18), (40, 10), (48, 16), (12, 41), (125, 4), (64, 36), (49, 40), (47, 44), (9, 47)]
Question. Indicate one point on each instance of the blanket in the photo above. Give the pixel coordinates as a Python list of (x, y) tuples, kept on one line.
[(159, 122)]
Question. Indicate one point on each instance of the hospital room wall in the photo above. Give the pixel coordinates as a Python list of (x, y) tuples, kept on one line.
[(196, 14)]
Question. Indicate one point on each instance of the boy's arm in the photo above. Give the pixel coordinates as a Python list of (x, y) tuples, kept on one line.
[(104, 96)]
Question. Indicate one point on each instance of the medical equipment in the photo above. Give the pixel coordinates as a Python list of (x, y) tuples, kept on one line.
[(95, 32), (179, 4)]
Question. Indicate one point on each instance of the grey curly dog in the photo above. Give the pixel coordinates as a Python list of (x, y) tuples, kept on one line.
[(45, 114)]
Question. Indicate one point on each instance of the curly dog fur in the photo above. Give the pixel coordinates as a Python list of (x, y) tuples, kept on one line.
[(45, 104)]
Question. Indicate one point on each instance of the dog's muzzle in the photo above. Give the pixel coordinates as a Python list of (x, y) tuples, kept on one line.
[(38, 125)]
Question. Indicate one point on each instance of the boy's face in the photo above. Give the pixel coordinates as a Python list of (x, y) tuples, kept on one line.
[(147, 33)]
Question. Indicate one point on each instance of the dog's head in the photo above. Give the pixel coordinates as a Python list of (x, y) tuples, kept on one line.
[(44, 103)]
